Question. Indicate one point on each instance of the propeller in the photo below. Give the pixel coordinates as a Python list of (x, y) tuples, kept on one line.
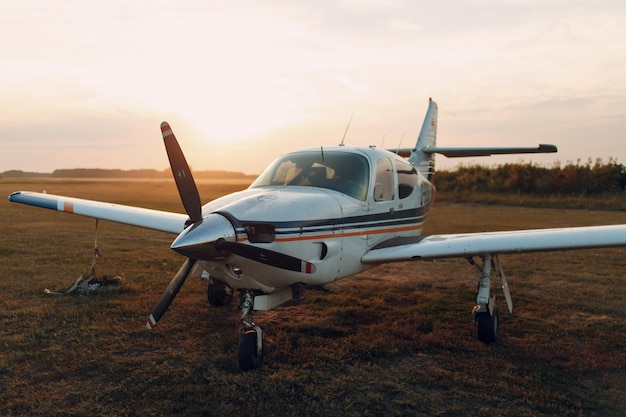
[(204, 239), (182, 175), (170, 293), (266, 256), (214, 237), (193, 206)]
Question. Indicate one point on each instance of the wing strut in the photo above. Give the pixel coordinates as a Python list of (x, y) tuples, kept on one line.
[(496, 264), (505, 285)]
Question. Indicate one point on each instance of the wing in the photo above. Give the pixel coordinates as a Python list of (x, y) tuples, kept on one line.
[(493, 243), (151, 219)]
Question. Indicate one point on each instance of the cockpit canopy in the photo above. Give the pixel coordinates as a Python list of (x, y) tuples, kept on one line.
[(345, 172)]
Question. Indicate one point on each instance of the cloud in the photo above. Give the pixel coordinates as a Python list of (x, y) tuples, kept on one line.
[(264, 77)]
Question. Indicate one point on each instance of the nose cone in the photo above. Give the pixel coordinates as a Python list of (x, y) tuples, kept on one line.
[(198, 240)]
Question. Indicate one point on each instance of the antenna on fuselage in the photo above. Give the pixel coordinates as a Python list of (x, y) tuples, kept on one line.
[(400, 144), (382, 141), (346, 132)]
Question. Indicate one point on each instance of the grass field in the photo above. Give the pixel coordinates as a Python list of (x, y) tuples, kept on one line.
[(397, 340)]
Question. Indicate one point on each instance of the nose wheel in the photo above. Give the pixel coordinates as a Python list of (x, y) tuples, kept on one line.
[(250, 336), (250, 349)]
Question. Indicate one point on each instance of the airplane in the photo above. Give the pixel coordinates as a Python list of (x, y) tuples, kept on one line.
[(318, 215)]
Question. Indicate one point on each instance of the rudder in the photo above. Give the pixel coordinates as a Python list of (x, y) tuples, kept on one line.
[(425, 161)]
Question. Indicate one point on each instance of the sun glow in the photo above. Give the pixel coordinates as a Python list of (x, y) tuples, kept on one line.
[(237, 85), (234, 111)]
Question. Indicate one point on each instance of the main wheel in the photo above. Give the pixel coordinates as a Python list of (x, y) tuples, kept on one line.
[(249, 357), (487, 326), (219, 294)]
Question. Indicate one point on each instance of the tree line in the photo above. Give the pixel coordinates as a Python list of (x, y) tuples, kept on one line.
[(590, 178), (140, 173), (91, 173)]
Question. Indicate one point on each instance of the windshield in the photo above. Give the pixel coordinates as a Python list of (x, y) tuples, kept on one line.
[(345, 172)]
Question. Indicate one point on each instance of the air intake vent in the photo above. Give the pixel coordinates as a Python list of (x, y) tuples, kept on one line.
[(260, 233)]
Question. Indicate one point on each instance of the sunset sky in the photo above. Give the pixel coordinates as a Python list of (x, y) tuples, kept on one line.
[(87, 84)]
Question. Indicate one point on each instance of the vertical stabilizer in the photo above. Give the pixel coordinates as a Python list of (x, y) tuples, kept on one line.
[(423, 161)]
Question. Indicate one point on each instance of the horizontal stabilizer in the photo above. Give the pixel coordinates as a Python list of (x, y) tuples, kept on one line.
[(457, 152)]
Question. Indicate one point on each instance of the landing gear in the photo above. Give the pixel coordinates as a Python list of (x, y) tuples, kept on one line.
[(485, 312), (251, 337), (487, 326), (218, 293), (249, 355)]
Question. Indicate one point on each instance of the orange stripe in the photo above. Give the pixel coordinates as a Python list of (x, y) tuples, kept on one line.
[(341, 235), (68, 207)]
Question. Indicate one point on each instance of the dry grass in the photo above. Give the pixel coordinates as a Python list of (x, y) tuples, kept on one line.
[(396, 340), (606, 201)]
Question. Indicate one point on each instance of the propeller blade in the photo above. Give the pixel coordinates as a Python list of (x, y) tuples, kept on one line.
[(182, 175), (170, 292), (266, 256)]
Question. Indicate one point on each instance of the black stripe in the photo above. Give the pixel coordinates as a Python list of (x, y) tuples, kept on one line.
[(408, 216), (407, 222)]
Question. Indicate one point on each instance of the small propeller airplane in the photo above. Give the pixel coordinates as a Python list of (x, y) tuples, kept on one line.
[(319, 215)]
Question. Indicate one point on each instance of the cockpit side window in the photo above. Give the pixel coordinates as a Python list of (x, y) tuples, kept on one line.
[(347, 173), (407, 178), (383, 187)]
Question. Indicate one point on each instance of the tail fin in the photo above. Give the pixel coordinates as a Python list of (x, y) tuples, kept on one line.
[(423, 155), (425, 161)]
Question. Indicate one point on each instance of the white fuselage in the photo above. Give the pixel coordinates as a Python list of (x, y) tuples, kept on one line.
[(326, 227)]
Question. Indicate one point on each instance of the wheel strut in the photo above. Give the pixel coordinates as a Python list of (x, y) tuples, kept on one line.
[(250, 336), (485, 312)]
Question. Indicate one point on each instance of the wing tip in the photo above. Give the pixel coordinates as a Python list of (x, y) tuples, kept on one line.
[(547, 148), (151, 323), (12, 196)]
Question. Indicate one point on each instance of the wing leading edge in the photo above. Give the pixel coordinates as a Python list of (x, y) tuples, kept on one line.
[(493, 243), (151, 219)]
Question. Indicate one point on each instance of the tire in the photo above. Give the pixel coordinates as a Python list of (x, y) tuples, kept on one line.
[(219, 294), (487, 326), (248, 357)]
